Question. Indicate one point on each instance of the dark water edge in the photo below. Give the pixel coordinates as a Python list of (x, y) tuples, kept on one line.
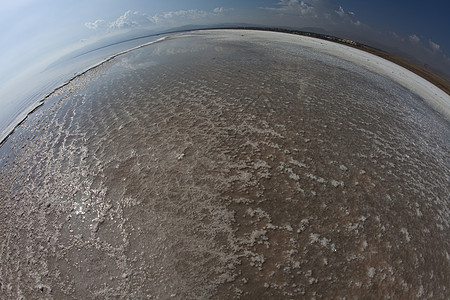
[(215, 166)]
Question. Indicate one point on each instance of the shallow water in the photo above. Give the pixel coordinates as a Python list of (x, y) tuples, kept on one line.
[(217, 166), (21, 99)]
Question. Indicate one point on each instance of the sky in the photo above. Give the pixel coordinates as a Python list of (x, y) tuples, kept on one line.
[(36, 33)]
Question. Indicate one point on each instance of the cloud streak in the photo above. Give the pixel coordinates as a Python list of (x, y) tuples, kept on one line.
[(417, 42), (414, 38), (340, 12), (321, 10), (296, 7), (131, 19), (435, 47), (96, 24)]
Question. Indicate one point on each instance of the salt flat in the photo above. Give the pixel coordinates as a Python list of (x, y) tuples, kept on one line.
[(229, 164), (437, 98)]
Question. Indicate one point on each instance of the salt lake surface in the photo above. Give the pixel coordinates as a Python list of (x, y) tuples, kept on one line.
[(19, 99), (230, 164)]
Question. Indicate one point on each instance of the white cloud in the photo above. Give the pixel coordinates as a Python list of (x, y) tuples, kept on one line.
[(302, 8), (324, 10), (96, 24), (340, 12), (414, 38), (130, 19), (434, 46), (180, 16), (347, 16), (173, 17)]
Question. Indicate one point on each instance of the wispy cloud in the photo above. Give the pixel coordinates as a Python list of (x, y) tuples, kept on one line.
[(302, 8), (340, 11), (128, 20), (425, 51), (179, 15), (435, 47), (96, 24), (413, 38), (347, 16), (131, 19), (318, 9)]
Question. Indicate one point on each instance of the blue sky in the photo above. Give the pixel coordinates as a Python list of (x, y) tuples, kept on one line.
[(37, 32)]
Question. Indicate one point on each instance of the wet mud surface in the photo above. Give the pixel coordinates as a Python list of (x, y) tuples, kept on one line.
[(215, 166)]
